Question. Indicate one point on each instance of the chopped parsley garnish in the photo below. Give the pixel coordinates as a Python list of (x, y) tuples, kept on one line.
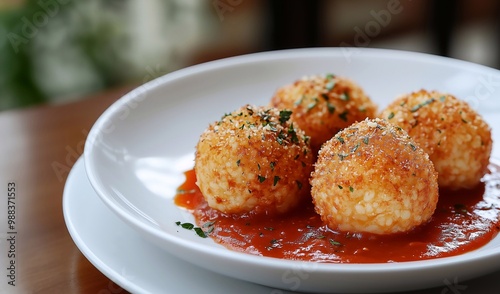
[(330, 76), (418, 106), (312, 104), (342, 156), (250, 110), (292, 132), (276, 180), (330, 107), (330, 85), (285, 115), (391, 115), (351, 189), (199, 231), (299, 101), (442, 98), (261, 178), (413, 146), (272, 165), (366, 140), (460, 208), (335, 243), (341, 140), (238, 162), (343, 115), (340, 187), (355, 148), (344, 96)]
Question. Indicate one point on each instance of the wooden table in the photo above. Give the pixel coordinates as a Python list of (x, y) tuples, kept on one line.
[(38, 148)]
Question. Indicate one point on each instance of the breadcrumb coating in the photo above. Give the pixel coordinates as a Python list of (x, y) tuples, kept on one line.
[(455, 136), (322, 105), (254, 159), (372, 177)]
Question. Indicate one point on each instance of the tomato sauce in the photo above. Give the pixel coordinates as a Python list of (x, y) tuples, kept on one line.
[(464, 220)]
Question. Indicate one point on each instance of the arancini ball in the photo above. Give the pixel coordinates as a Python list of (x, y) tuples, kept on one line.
[(322, 105), (254, 159), (372, 177), (454, 135)]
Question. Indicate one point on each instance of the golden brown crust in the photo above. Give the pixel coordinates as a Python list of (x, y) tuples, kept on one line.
[(456, 138), (254, 159), (322, 105), (371, 177)]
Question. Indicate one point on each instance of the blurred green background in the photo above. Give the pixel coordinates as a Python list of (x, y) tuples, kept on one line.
[(57, 51)]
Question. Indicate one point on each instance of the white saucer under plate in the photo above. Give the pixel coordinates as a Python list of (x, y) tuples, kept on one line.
[(140, 267)]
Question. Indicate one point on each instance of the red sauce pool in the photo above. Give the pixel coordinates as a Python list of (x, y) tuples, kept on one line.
[(464, 220)]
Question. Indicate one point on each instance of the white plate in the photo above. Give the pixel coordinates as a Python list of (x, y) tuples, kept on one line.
[(137, 150), (140, 267), (124, 257)]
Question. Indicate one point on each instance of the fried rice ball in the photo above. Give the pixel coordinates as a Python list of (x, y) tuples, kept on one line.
[(254, 160), (372, 177), (456, 138), (322, 105)]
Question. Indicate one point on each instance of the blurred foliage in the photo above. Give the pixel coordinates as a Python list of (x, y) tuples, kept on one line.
[(17, 86), (59, 50)]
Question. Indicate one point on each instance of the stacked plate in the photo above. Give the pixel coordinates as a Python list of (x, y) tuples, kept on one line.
[(118, 200)]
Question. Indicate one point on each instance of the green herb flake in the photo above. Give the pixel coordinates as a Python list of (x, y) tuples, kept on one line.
[(269, 228), (413, 147), (330, 85), (187, 226), (330, 107), (276, 180), (208, 224), (178, 223), (335, 243), (344, 96), (355, 148), (418, 106), (464, 121), (366, 140), (285, 115), (312, 104), (291, 131), (272, 165), (351, 189), (261, 178), (343, 115), (391, 115), (299, 101), (330, 76), (250, 110), (341, 140), (238, 162), (320, 237), (200, 232), (342, 156), (460, 208), (442, 98)]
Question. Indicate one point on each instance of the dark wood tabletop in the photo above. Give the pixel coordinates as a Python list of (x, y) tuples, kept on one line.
[(39, 146)]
